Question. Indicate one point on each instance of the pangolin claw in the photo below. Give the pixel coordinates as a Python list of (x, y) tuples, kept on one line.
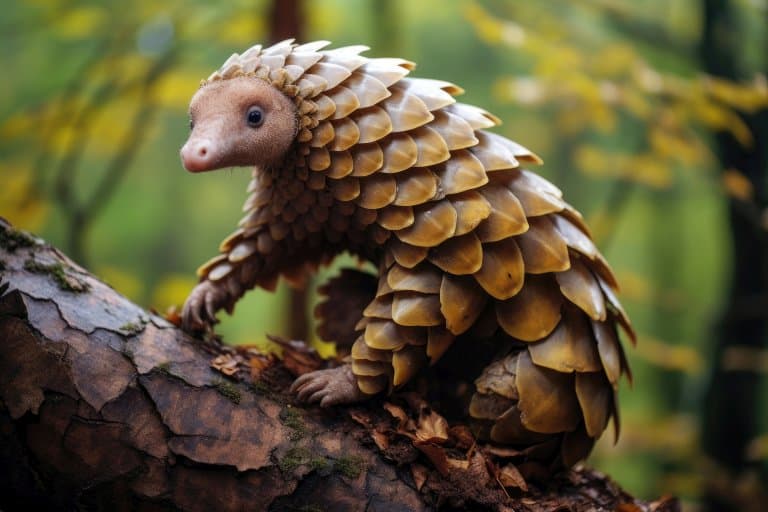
[(328, 387)]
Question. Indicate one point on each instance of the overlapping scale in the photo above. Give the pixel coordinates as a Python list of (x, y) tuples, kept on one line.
[(373, 123), (346, 189), (455, 130), (432, 149), (341, 165), (345, 100), (415, 187), (400, 153), (406, 111), (463, 171), (475, 116), (438, 341), (322, 135), (416, 309), (367, 89), (544, 249), (387, 70), (471, 208), (368, 158), (507, 217), (388, 335), (595, 396), (423, 279), (434, 93), (303, 59), (433, 224), (548, 402), (332, 73), (570, 347), (347, 56), (396, 217), (493, 153), (406, 362), (460, 255), (579, 285), (346, 135), (574, 237), (535, 201), (407, 255), (461, 302), (609, 348), (503, 272), (377, 191), (361, 350), (325, 107), (534, 312)]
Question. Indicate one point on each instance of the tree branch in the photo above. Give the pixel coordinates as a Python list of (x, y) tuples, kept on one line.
[(106, 406)]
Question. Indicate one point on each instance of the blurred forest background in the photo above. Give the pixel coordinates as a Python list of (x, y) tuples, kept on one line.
[(651, 115)]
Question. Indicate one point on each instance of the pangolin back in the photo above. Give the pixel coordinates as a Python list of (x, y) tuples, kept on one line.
[(460, 230)]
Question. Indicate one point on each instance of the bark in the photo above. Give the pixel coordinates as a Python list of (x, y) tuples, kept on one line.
[(106, 406)]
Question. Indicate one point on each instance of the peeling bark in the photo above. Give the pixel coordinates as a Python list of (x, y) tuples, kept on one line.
[(106, 406)]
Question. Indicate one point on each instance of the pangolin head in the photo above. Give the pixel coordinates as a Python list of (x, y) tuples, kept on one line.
[(239, 122)]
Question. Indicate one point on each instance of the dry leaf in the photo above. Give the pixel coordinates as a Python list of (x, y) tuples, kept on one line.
[(381, 440), (432, 428), (509, 476), (462, 436), (419, 474)]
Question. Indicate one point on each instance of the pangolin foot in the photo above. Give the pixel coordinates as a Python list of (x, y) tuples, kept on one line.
[(329, 387)]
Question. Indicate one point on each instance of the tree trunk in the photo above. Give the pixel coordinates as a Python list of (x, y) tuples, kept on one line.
[(105, 406), (733, 395)]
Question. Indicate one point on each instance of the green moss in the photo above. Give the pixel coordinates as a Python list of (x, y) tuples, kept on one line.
[(164, 367), (292, 419), (319, 464), (260, 388), (293, 458), (228, 390), (11, 239), (58, 273), (351, 467), (131, 328)]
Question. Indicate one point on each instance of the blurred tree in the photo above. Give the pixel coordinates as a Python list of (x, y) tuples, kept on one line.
[(730, 422)]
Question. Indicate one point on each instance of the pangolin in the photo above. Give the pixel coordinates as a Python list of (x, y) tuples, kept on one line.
[(473, 251)]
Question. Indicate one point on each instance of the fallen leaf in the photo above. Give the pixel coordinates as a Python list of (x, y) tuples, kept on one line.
[(509, 476), (419, 474), (381, 440), (432, 428)]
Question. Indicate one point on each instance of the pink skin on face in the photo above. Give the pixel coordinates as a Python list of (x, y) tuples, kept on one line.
[(222, 135)]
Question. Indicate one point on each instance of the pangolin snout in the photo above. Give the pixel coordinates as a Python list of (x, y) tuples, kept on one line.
[(198, 155)]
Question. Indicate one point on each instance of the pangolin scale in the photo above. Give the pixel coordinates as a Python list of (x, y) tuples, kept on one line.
[(468, 245)]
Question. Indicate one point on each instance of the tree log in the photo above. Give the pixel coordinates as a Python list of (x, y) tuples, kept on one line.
[(105, 406)]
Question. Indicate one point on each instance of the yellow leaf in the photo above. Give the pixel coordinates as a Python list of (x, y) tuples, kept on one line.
[(614, 60), (80, 22), (737, 185), (175, 89), (20, 123), (241, 29), (20, 202), (672, 357), (172, 290), (122, 281)]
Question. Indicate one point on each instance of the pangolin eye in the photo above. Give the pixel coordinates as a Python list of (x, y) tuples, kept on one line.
[(255, 117), (191, 124)]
